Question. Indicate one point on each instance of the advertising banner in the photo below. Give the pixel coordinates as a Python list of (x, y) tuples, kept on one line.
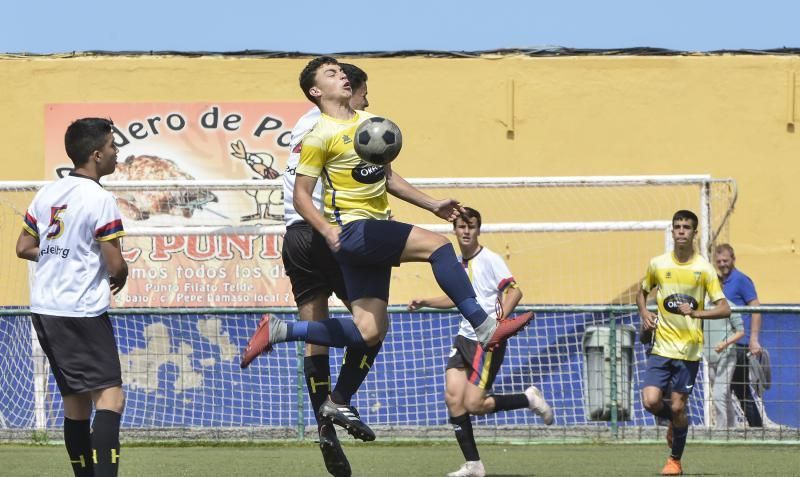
[(185, 141)]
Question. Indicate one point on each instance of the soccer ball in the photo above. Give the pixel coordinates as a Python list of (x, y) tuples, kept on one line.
[(378, 141)]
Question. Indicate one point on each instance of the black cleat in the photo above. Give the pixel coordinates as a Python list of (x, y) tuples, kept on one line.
[(347, 417), (332, 453)]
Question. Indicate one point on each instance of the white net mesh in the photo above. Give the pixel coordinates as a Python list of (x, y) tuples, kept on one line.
[(182, 371), (216, 243)]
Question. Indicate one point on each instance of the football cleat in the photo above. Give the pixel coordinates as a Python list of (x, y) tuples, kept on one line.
[(346, 417), (332, 453), (506, 328), (672, 467), (258, 344), (538, 405), (472, 468)]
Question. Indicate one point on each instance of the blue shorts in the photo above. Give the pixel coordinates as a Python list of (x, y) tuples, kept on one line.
[(370, 248), (676, 375)]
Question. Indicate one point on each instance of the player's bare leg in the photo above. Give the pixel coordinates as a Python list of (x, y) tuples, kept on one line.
[(654, 402), (426, 246), (456, 385), (678, 423)]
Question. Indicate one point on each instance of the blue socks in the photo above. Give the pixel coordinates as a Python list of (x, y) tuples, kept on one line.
[(678, 441), (455, 283), (336, 332)]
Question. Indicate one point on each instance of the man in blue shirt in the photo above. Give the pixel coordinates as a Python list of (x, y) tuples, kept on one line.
[(740, 291)]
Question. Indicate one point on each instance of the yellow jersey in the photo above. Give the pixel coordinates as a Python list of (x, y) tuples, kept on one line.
[(679, 336), (354, 189)]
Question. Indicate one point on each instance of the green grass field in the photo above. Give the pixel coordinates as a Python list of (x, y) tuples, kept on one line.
[(419, 460)]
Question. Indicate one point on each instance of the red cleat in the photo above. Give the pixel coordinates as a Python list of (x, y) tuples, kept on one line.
[(258, 344), (508, 327)]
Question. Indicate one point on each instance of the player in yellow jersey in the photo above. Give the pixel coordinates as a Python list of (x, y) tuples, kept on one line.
[(683, 279), (365, 243)]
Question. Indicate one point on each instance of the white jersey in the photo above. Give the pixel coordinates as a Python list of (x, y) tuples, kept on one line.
[(304, 125), (70, 217), (490, 277)]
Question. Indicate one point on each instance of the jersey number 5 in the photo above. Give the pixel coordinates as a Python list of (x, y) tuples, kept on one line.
[(56, 222)]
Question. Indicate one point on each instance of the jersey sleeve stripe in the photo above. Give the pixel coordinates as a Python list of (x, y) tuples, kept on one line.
[(337, 213), (112, 228), (106, 238), (505, 283), (29, 224)]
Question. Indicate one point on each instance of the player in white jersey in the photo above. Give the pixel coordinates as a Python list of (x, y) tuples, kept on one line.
[(315, 274), (71, 230), (471, 370)]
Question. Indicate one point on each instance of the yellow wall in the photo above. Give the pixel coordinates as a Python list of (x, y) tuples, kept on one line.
[(722, 115)]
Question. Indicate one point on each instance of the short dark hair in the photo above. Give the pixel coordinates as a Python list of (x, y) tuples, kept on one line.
[(724, 247), (310, 71), (355, 75), (84, 136), (469, 213), (686, 215)]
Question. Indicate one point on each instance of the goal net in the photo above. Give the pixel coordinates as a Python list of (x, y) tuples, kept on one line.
[(204, 260)]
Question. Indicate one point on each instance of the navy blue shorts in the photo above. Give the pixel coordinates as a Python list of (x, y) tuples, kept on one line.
[(667, 373), (370, 248)]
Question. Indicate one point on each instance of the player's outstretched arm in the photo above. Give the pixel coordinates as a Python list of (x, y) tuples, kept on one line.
[(28, 246), (511, 298), (442, 302), (304, 205), (115, 264), (447, 209)]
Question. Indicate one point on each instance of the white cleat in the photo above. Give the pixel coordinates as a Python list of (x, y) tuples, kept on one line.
[(538, 405), (472, 468)]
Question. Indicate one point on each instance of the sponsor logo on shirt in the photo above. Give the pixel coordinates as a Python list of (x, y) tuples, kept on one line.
[(672, 302), (54, 250), (346, 139), (368, 173)]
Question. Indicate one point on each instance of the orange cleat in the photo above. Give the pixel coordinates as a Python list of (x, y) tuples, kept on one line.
[(506, 328), (672, 467), (258, 344)]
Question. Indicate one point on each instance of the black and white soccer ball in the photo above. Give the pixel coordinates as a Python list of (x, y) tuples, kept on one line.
[(378, 141)]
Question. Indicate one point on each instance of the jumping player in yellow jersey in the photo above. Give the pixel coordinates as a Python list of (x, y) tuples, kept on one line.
[(365, 243), (683, 279)]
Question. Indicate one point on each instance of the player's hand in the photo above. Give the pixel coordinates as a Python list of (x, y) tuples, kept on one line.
[(649, 320), (720, 347), (448, 209), (332, 238), (116, 284), (416, 304), (755, 347), (686, 309)]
